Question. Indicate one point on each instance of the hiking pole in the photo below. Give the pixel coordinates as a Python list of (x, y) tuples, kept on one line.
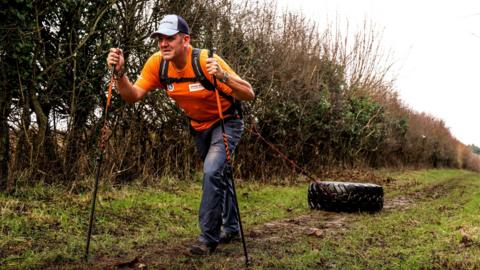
[(229, 162), (99, 159)]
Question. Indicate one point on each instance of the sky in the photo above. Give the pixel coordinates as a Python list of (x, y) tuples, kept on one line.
[(435, 51)]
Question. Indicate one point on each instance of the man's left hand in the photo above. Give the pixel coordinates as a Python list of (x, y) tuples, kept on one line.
[(214, 68)]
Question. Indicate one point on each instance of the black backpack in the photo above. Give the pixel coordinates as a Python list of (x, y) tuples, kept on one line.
[(235, 109)]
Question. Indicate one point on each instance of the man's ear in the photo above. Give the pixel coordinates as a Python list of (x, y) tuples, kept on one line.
[(186, 40)]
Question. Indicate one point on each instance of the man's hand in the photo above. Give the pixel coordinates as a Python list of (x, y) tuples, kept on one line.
[(115, 58), (241, 89), (214, 68)]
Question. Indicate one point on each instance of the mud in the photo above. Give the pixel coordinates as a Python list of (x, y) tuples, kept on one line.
[(263, 237)]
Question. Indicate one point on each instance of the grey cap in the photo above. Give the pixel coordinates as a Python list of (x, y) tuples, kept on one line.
[(170, 25)]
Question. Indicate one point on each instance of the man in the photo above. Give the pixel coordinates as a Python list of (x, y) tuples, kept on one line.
[(217, 215)]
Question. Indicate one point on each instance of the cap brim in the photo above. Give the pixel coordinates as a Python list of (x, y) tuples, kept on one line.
[(166, 32)]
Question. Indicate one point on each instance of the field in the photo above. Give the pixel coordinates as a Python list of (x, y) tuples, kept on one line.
[(430, 220)]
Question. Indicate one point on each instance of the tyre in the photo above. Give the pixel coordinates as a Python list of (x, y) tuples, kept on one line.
[(345, 197)]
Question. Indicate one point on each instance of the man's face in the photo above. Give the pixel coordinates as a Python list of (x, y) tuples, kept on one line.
[(172, 46)]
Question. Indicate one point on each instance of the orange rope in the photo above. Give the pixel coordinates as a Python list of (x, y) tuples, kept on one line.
[(104, 132), (219, 103), (302, 170), (220, 114), (109, 97)]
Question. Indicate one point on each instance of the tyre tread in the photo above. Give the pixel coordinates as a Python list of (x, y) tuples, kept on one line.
[(345, 196)]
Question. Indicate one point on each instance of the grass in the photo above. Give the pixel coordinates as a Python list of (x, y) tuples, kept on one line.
[(426, 235), (437, 228)]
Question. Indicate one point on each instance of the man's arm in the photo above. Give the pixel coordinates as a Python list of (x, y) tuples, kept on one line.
[(242, 90), (128, 91)]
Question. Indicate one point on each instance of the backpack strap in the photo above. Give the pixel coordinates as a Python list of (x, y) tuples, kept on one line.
[(199, 77), (198, 70), (165, 80), (236, 109), (203, 79), (163, 72)]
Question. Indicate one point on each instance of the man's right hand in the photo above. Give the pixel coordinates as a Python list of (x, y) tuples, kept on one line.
[(115, 58)]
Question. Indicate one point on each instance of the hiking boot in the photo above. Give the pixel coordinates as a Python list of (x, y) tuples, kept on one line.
[(201, 249), (227, 237)]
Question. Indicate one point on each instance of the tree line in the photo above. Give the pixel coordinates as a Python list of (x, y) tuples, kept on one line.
[(323, 96)]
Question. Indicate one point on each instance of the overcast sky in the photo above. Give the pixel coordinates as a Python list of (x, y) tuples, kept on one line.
[(435, 50)]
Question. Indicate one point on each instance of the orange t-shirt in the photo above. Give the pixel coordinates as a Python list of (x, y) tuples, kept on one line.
[(198, 103)]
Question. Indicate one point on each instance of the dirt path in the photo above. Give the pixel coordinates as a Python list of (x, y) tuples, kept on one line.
[(262, 237)]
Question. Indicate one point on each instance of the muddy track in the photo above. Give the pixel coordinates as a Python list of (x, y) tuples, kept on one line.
[(259, 238), (427, 193), (163, 255)]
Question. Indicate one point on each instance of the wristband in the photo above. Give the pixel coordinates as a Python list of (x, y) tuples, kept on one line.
[(225, 77), (118, 75)]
